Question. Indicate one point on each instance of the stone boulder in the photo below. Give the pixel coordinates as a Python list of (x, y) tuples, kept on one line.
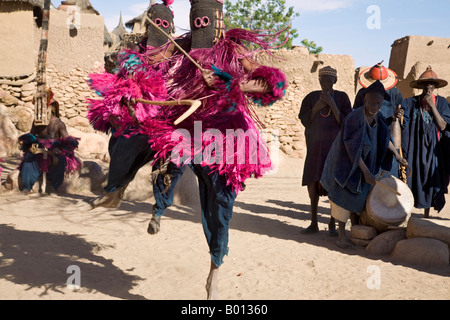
[(25, 118), (422, 252), (8, 136), (88, 179), (7, 99), (186, 192), (92, 145), (363, 232), (12, 181), (141, 189), (385, 242), (425, 228)]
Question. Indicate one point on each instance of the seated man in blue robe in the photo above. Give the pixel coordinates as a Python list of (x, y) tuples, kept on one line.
[(362, 148)]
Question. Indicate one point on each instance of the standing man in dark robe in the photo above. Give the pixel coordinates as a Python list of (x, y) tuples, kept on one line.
[(426, 143), (322, 113)]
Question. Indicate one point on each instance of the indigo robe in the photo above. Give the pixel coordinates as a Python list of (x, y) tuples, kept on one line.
[(387, 108), (320, 132), (427, 151), (342, 177)]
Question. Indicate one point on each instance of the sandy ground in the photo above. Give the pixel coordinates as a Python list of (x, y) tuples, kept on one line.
[(42, 236)]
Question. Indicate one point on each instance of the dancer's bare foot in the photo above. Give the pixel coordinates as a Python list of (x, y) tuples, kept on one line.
[(212, 283), (108, 200), (155, 225)]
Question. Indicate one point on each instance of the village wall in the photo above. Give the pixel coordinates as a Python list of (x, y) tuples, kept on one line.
[(302, 71)]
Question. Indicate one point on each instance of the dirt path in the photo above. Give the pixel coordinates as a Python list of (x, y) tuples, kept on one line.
[(42, 236)]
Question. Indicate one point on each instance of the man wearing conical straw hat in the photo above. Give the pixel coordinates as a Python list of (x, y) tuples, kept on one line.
[(426, 142)]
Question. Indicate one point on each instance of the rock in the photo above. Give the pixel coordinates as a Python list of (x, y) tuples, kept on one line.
[(28, 93), (363, 232), (25, 119), (8, 136), (7, 99), (385, 242), (28, 99), (3, 110), (298, 145), (286, 139), (436, 229), (89, 178), (360, 242), (28, 87), (421, 251), (91, 144), (12, 181), (186, 191), (79, 122), (287, 149)]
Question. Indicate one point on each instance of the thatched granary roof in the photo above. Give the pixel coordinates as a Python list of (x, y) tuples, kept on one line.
[(120, 30), (86, 6), (107, 40), (130, 24)]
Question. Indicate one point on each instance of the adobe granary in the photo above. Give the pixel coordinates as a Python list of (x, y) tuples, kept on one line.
[(75, 49), (411, 55), (19, 21)]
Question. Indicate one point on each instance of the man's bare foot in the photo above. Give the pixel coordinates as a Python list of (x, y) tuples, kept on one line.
[(313, 228), (155, 225), (108, 200), (345, 243), (212, 289)]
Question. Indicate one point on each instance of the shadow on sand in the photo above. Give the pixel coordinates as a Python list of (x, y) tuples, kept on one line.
[(40, 260)]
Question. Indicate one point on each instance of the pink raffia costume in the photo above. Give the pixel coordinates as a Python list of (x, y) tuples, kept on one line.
[(221, 141), (142, 73), (226, 110)]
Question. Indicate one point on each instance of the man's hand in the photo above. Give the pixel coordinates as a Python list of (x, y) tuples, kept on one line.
[(429, 100), (399, 113), (402, 161), (255, 86), (369, 177), (35, 149), (209, 77), (326, 98)]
